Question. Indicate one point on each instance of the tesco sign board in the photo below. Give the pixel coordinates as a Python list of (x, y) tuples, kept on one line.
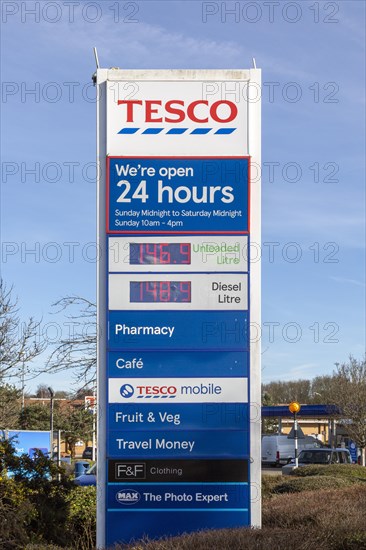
[(179, 391), (155, 116)]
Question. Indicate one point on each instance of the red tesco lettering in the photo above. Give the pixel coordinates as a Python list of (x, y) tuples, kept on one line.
[(175, 111), (156, 390)]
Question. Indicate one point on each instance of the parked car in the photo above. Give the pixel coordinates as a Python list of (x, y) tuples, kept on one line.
[(88, 453), (88, 478), (279, 449), (324, 456)]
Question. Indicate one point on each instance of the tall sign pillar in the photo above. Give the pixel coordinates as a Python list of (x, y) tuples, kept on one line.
[(178, 302)]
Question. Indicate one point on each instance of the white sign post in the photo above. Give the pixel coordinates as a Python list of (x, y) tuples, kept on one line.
[(179, 396)]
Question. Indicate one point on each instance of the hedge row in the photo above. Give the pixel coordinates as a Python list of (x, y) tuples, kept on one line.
[(319, 507), (325, 519), (53, 513)]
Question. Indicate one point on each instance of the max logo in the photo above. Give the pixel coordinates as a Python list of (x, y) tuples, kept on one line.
[(128, 497), (177, 111)]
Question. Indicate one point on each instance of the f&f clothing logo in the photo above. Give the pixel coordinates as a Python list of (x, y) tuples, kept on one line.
[(130, 471)]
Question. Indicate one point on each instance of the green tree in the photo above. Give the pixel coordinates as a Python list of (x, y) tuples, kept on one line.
[(269, 425), (34, 503), (10, 406), (76, 423), (35, 417)]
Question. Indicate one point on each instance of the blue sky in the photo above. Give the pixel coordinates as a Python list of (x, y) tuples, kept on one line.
[(312, 58)]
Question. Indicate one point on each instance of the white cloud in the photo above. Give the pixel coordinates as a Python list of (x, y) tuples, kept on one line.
[(144, 45), (348, 281), (305, 370)]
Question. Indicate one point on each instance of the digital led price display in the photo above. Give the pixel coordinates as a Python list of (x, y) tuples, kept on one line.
[(160, 291), (160, 253)]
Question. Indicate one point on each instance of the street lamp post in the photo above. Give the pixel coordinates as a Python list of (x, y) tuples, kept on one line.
[(294, 408), (94, 425), (23, 386), (51, 419)]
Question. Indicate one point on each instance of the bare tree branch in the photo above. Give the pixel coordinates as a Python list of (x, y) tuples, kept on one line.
[(20, 342), (348, 392), (77, 352)]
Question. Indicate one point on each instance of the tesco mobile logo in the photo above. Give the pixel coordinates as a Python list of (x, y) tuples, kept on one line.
[(176, 111), (127, 391), (148, 392)]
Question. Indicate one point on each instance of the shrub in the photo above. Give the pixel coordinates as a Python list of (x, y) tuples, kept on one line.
[(229, 539), (333, 516), (63, 516), (43, 547), (320, 507), (325, 520), (36, 509), (297, 485), (16, 513), (337, 470), (356, 541), (313, 477), (269, 483), (81, 523)]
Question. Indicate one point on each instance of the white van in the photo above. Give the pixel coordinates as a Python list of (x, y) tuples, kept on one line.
[(278, 449)]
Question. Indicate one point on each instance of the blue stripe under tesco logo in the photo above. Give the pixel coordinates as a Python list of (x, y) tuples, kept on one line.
[(176, 131)]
